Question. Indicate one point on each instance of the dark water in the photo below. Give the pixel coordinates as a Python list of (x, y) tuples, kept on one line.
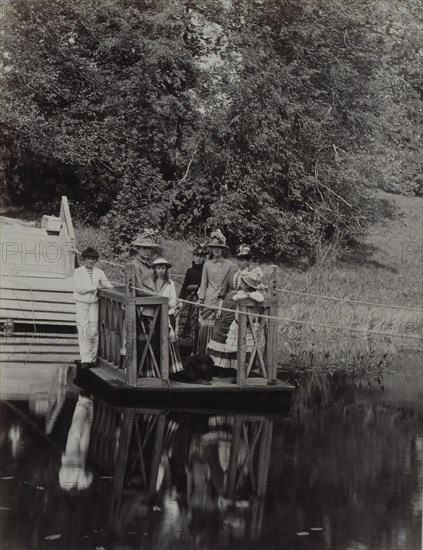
[(342, 471)]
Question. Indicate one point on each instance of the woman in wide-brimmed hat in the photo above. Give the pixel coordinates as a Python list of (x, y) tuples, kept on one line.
[(144, 245), (188, 313), (223, 346), (243, 259), (233, 284), (216, 273), (164, 285)]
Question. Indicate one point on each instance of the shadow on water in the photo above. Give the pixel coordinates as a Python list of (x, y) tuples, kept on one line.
[(342, 470)]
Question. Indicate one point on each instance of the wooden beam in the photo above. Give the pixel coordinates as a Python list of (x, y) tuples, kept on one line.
[(130, 326), (29, 305), (242, 344), (150, 300), (110, 369), (233, 457), (273, 331), (164, 341), (114, 295), (67, 235), (45, 317), (121, 464)]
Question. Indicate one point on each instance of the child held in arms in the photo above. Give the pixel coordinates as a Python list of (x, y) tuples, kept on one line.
[(88, 279)]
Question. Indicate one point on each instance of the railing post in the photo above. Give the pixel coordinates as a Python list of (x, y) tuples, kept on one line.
[(262, 475), (233, 457), (128, 418), (130, 326), (100, 350), (242, 344), (164, 342), (272, 333), (67, 236)]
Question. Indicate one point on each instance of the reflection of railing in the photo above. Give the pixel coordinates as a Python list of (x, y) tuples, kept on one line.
[(105, 437), (67, 236), (255, 434), (127, 446), (135, 447)]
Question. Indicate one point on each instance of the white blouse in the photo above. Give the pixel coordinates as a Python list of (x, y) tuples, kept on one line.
[(169, 290), (85, 288)]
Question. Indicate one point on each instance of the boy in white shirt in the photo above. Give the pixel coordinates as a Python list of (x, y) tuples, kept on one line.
[(87, 280)]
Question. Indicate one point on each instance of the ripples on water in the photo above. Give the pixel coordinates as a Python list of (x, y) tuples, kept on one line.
[(342, 471)]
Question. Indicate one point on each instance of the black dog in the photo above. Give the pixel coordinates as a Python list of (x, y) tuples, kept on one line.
[(198, 369)]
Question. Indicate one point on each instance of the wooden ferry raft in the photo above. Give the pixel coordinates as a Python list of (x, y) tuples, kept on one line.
[(118, 376)]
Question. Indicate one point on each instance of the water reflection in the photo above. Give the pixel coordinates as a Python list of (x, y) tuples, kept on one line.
[(206, 472), (343, 471), (73, 474)]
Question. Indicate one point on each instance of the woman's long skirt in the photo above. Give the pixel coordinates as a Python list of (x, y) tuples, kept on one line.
[(223, 347), (224, 356), (175, 362), (206, 322), (188, 325), (187, 321)]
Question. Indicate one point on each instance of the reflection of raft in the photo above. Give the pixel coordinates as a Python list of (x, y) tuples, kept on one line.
[(118, 376), (43, 386), (217, 465)]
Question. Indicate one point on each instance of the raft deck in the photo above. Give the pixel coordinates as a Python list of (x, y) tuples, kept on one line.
[(221, 394)]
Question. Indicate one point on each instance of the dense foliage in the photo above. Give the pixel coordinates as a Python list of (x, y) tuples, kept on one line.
[(270, 119)]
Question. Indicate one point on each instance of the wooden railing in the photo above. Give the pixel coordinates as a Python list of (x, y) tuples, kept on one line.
[(112, 329), (134, 334), (258, 335), (147, 323), (138, 326), (67, 236)]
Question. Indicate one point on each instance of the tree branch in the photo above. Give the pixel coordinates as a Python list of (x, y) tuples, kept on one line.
[(187, 170), (334, 193)]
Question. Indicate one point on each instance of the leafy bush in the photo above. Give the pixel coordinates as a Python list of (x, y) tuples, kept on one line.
[(269, 119)]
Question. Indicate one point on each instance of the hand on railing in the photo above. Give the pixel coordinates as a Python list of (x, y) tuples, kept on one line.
[(219, 311), (257, 296)]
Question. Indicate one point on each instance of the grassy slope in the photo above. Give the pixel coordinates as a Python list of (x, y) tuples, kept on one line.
[(386, 268)]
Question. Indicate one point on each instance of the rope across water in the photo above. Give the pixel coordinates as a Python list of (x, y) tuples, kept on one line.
[(297, 321)]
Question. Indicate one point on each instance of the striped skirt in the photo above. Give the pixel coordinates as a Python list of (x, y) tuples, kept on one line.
[(206, 323), (148, 367)]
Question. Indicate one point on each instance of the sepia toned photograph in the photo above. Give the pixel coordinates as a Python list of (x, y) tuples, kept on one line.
[(211, 277)]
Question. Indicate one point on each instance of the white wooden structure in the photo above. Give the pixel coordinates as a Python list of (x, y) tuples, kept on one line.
[(37, 311)]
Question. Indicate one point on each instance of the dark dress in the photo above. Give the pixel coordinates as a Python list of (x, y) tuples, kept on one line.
[(223, 346), (188, 316)]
